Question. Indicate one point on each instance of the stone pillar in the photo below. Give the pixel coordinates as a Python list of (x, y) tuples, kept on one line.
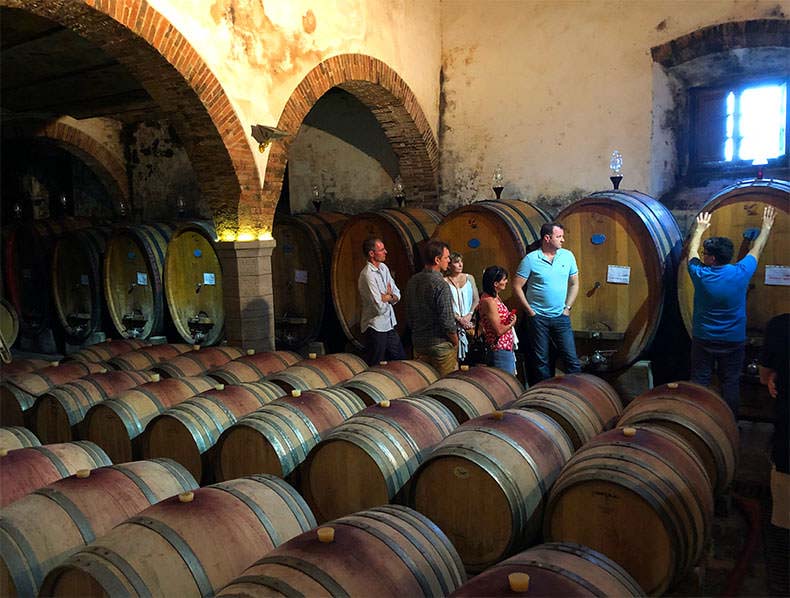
[(248, 293)]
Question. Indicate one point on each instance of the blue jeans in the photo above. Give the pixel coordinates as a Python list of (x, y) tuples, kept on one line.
[(541, 332), (504, 360), (728, 358)]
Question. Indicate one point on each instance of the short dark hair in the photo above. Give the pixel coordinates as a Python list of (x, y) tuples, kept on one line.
[(433, 249), (491, 275), (369, 245), (548, 228), (721, 248)]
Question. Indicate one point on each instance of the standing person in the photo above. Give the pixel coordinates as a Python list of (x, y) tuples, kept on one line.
[(552, 279), (430, 311), (497, 321), (718, 331), (465, 299), (378, 292)]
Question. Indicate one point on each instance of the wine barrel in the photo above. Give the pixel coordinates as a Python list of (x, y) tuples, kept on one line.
[(133, 266), (319, 372), (202, 541), (402, 231), (698, 414), (116, 424), (554, 569), (107, 350), (277, 438), (20, 366), (493, 232), (9, 327), (629, 244), (147, 357), (254, 367), (42, 529), (392, 380), (188, 431), (389, 551), (79, 303), (16, 437), (475, 391), (193, 284), (301, 264), (583, 404), (63, 408), (28, 257), (197, 362), (27, 469), (19, 392), (367, 459), (485, 484), (651, 481), (737, 213)]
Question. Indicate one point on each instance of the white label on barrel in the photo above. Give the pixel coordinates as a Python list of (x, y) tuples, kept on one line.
[(300, 276), (777, 275), (209, 279), (618, 274), (84, 280), (142, 279)]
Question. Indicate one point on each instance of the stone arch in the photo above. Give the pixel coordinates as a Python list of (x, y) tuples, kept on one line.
[(177, 78), (759, 33), (110, 170), (390, 100)]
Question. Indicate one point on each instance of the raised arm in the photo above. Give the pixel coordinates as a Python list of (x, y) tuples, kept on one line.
[(700, 226), (769, 215)]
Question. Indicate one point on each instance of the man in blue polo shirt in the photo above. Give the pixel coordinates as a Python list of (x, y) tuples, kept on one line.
[(718, 327), (552, 281)]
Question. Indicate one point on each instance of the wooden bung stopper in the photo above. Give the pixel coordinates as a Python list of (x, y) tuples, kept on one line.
[(155, 377), (464, 368), (311, 355), (196, 347), (54, 364), (250, 351), (629, 431), (3, 452), (186, 497), (326, 535), (383, 362), (519, 582), (384, 403), (83, 473), (102, 370), (296, 393), (220, 387), (673, 385), (498, 414)]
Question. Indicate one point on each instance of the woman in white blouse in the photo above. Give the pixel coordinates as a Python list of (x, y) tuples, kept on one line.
[(465, 299)]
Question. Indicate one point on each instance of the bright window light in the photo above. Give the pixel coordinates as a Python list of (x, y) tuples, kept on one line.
[(756, 122)]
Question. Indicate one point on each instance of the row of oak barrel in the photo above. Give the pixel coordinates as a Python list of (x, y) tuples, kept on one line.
[(627, 244), (484, 483)]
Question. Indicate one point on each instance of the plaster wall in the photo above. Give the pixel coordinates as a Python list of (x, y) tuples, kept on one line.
[(549, 89)]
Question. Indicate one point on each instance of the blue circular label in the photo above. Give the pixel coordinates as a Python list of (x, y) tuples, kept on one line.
[(751, 234), (197, 253), (473, 243), (598, 239)]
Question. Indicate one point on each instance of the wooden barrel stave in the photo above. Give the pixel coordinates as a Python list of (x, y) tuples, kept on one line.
[(75, 511), (321, 372), (191, 540), (21, 366), (277, 438), (389, 551), (365, 461), (254, 368), (301, 264), (193, 284), (485, 484), (16, 437), (402, 231), (197, 362), (133, 287), (147, 357), (107, 350), (117, 423), (391, 380)]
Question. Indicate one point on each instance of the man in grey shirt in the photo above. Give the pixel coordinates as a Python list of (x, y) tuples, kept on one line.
[(430, 311), (378, 293)]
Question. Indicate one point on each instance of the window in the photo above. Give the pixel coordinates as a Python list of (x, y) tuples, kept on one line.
[(736, 126)]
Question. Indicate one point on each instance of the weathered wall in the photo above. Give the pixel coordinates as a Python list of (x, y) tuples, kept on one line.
[(550, 89)]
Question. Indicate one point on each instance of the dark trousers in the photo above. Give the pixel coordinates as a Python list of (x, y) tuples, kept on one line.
[(382, 346), (541, 332), (728, 359)]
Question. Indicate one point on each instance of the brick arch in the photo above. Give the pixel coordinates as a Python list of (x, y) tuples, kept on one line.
[(110, 170), (175, 76), (759, 33), (390, 100)]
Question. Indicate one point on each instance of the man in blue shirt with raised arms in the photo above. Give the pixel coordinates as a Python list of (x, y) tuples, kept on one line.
[(719, 322), (552, 279)]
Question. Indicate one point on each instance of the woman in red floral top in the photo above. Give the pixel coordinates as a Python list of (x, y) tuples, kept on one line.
[(497, 321)]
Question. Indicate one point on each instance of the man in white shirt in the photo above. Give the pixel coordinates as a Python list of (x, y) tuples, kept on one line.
[(378, 293)]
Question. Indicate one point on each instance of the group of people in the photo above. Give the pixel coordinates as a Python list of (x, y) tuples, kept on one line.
[(443, 300)]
